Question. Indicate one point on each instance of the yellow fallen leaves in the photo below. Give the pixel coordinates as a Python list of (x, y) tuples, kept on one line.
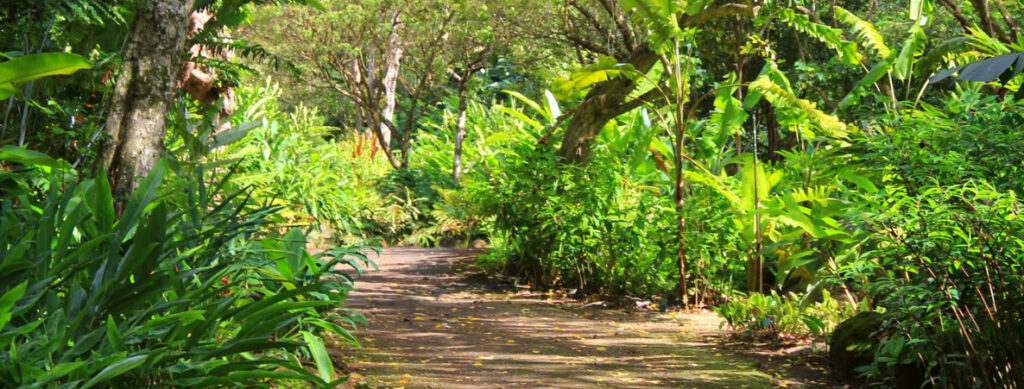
[(510, 341), (419, 318), (718, 354), (601, 348), (403, 381), (356, 376), (478, 364), (488, 358), (439, 325)]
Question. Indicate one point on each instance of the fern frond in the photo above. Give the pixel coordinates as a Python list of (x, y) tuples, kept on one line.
[(864, 31), (782, 98), (831, 37)]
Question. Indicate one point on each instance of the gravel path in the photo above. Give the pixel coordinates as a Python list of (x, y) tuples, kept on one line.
[(436, 322)]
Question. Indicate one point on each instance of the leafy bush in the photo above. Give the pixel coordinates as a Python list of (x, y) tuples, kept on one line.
[(946, 253), (577, 226), (953, 265), (168, 293), (773, 314), (321, 179)]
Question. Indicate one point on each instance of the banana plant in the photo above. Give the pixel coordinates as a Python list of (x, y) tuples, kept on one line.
[(34, 66)]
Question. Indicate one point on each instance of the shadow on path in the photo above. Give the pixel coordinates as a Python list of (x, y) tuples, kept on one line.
[(432, 324)]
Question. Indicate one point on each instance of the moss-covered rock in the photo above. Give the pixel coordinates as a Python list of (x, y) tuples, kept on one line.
[(853, 343)]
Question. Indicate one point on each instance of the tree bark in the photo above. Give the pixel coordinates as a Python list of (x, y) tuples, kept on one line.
[(143, 93), (392, 65), (603, 103), (460, 126), (607, 99)]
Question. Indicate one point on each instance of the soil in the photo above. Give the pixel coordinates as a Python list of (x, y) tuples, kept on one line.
[(437, 322)]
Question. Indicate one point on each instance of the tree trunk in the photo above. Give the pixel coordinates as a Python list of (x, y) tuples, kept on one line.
[(603, 103), (392, 64), (143, 93), (680, 144), (460, 126)]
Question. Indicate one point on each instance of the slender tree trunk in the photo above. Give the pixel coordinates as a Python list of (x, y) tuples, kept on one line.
[(680, 184), (358, 78), (392, 66), (460, 126), (142, 96)]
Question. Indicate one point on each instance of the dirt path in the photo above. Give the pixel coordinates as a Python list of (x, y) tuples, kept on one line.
[(435, 322)]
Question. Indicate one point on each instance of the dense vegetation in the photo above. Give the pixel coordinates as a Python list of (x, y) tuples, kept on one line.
[(786, 163)]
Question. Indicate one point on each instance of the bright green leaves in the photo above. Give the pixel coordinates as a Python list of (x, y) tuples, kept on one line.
[(728, 117), (782, 98), (831, 37), (31, 67), (660, 16), (606, 68), (29, 157), (7, 302), (920, 11), (864, 31), (320, 357), (913, 46)]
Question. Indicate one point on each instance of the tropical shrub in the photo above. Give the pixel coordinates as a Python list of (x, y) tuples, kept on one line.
[(946, 244), (185, 289), (581, 227), (772, 314)]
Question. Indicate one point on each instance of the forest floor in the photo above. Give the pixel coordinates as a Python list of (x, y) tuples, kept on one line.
[(437, 322)]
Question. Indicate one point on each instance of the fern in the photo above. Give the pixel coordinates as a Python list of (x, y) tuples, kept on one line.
[(785, 99), (91, 12), (864, 31), (831, 37)]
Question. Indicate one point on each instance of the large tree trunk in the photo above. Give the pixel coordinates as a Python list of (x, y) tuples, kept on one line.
[(603, 103), (144, 91)]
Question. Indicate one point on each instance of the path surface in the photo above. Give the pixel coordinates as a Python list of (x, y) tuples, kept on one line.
[(435, 322)]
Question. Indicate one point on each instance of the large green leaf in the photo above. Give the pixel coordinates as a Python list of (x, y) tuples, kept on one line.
[(7, 302), (116, 369), (29, 157), (7, 90), (323, 361), (31, 67), (912, 47)]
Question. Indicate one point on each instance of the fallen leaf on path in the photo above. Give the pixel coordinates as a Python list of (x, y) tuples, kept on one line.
[(419, 318), (403, 381), (478, 364), (489, 357), (601, 348), (510, 341)]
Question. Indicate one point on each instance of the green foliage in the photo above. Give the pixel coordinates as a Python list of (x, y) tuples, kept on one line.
[(183, 288), (580, 227), (31, 67), (773, 315)]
